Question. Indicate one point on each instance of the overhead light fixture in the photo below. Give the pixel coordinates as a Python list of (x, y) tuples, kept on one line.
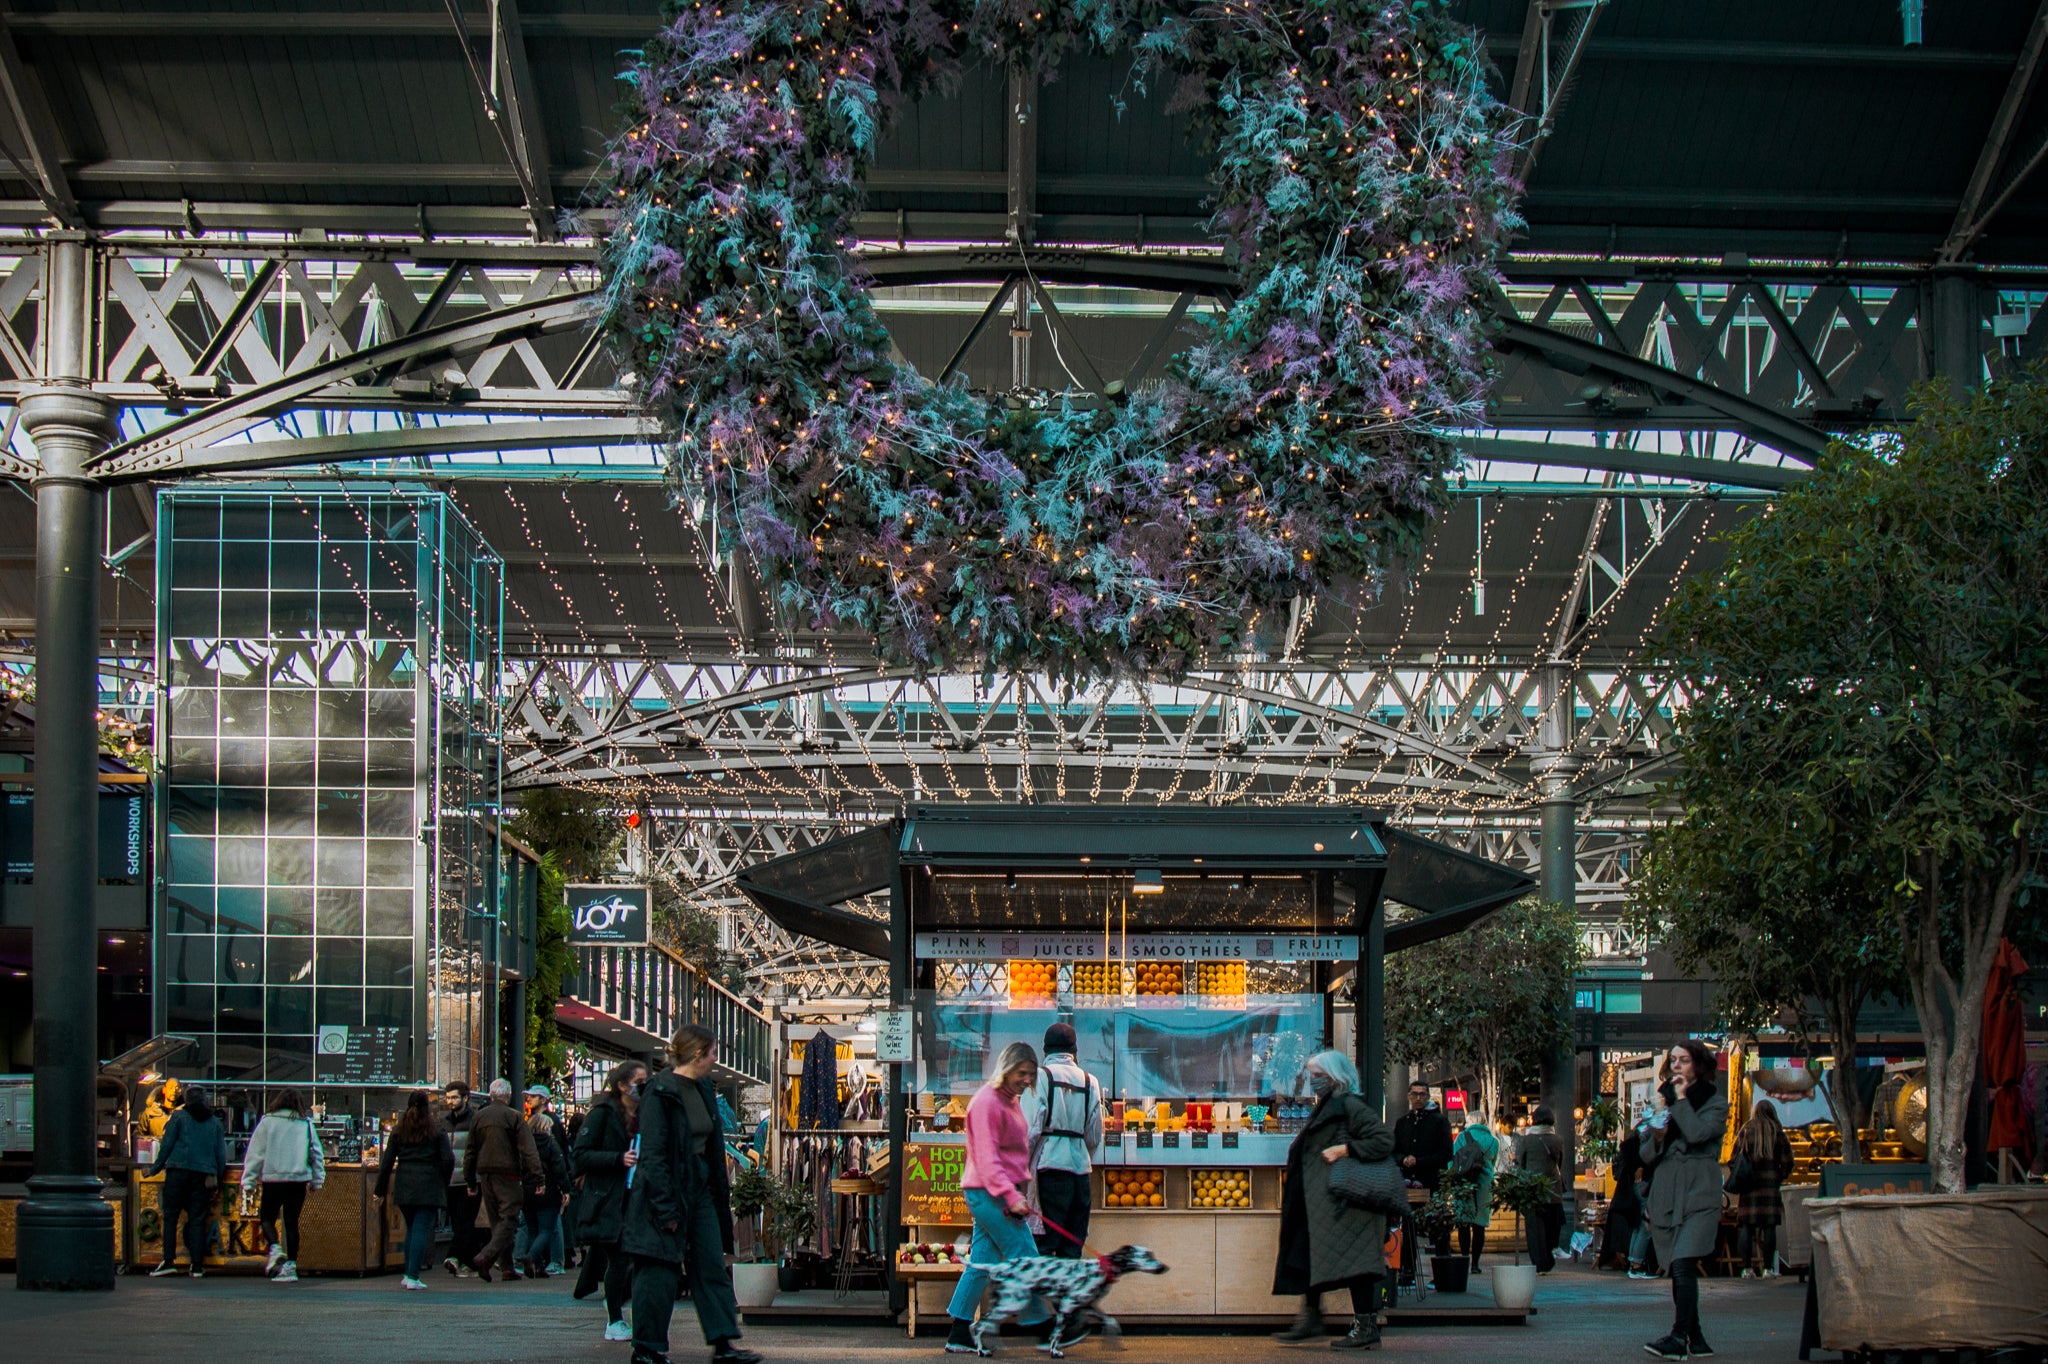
[(1147, 881)]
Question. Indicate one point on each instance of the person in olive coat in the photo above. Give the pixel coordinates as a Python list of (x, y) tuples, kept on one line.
[(604, 1154), (1324, 1241), (418, 1162), (679, 1207), (1684, 1205)]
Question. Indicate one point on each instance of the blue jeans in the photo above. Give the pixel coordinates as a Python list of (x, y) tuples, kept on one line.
[(998, 1238), (419, 1238), (542, 1234)]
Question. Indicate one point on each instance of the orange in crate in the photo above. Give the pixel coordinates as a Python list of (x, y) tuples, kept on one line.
[(1124, 1187), (1033, 983)]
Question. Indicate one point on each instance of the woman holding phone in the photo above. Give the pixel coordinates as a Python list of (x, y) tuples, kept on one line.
[(1683, 1208)]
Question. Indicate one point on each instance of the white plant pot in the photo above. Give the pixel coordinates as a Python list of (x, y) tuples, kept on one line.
[(754, 1285), (1514, 1286)]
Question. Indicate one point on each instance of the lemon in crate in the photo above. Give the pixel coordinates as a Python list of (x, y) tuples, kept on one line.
[(1220, 1188), (1099, 979)]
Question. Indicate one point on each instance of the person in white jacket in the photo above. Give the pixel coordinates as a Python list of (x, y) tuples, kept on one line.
[(284, 1164)]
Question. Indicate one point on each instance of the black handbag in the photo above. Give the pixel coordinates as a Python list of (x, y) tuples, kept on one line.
[(1375, 1186), (1741, 1174)]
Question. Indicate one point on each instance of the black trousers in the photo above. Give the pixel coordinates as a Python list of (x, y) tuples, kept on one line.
[(1685, 1297), (1759, 1241), (1063, 1198), (465, 1239), (286, 1197), (185, 1192), (604, 1263), (1471, 1242), (1365, 1299), (656, 1283), (1544, 1225)]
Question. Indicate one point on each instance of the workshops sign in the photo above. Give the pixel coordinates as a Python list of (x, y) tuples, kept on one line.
[(607, 916)]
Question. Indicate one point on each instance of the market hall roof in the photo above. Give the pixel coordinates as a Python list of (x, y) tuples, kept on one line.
[(1744, 128)]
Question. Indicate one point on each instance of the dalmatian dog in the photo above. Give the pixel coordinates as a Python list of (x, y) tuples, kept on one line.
[(1069, 1287)]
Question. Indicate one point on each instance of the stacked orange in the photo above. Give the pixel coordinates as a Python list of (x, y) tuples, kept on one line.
[(1033, 983), (1133, 1188), (1159, 978)]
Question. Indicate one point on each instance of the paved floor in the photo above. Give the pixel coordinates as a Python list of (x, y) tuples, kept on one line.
[(1583, 1318)]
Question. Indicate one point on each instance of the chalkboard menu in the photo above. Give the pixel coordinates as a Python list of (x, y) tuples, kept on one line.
[(361, 1056)]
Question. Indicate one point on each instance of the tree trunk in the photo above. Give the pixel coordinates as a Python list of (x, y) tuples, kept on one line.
[(1951, 1019), (1843, 1095)]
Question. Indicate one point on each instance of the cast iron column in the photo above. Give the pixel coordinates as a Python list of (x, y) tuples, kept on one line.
[(64, 1231), (1558, 879)]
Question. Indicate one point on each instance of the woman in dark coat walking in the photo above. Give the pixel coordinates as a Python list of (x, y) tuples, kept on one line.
[(418, 1163), (1325, 1242), (1684, 1206), (604, 1155), (679, 1207), (1539, 1150), (1758, 1209)]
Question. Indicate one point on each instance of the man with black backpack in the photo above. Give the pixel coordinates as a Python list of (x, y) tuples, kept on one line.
[(1063, 1112)]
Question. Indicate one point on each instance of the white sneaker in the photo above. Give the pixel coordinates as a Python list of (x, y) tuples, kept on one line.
[(1770, 1274), (165, 1270), (197, 1272), (618, 1330), (1746, 1274), (276, 1259), (411, 1285), (287, 1273)]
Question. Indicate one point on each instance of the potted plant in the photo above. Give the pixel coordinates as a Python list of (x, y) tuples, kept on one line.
[(794, 1214), (1520, 1192), (1436, 1219), (754, 1193)]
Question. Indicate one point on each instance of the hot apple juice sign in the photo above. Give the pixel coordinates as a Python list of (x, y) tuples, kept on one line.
[(607, 916)]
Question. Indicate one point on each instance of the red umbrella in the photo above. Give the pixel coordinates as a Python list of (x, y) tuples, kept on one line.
[(2005, 1053)]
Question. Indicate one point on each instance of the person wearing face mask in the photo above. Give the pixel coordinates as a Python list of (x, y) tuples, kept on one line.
[(679, 1207), (1324, 1241), (995, 1182), (1683, 1208), (604, 1155)]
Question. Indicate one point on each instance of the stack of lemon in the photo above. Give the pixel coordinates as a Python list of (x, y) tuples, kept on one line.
[(1033, 981), (1159, 978), (1219, 977), (1131, 1188), (1220, 1188), (1098, 978)]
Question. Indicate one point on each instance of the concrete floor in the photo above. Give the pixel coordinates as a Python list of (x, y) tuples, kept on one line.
[(1582, 1317)]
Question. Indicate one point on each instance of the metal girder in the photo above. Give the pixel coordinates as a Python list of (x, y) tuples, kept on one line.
[(1417, 735), (409, 442), (1555, 35), (38, 128), (522, 109), (1971, 215), (1622, 460)]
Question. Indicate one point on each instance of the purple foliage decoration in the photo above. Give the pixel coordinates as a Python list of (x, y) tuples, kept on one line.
[(1361, 185)]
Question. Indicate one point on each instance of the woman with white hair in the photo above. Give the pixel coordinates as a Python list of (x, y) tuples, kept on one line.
[(1324, 1241), (995, 1183)]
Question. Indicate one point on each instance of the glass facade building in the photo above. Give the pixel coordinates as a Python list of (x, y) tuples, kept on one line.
[(331, 906)]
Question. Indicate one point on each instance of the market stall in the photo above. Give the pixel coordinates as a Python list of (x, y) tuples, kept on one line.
[(1202, 956)]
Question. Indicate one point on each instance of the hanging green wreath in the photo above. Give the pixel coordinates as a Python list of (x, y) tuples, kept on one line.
[(1361, 185)]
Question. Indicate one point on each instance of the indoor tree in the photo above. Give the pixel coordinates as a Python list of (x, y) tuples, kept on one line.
[(1489, 996), (1771, 903), (1873, 658)]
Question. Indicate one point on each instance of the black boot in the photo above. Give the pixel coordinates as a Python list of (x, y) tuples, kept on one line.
[(730, 1351), (1363, 1335), (1696, 1344), (960, 1341), (644, 1356), (1308, 1324)]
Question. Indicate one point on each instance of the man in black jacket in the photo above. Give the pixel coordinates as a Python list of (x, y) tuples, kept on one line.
[(465, 1201), (1422, 1148)]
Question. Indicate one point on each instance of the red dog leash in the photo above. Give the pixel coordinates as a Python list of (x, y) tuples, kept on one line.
[(1109, 1270)]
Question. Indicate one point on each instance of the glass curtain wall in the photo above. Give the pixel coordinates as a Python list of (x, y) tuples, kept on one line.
[(329, 765)]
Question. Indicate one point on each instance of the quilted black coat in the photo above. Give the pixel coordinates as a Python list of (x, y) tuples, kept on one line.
[(1323, 1240)]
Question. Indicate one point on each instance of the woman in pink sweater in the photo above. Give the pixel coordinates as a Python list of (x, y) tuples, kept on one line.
[(996, 1184)]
